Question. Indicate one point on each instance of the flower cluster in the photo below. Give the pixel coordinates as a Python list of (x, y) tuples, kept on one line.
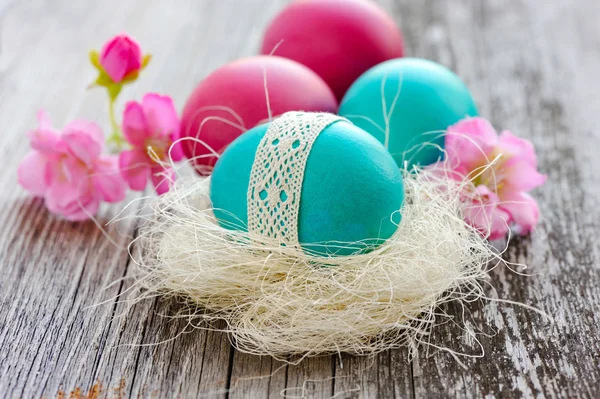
[(502, 168), (151, 128), (69, 168)]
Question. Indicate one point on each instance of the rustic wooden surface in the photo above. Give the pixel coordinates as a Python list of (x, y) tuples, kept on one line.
[(533, 66)]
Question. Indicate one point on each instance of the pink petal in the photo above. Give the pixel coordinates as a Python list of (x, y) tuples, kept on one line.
[(469, 142), (523, 209), (161, 116), (517, 147), (443, 170), (90, 128), (120, 56), (44, 120), (499, 228), (81, 210), (518, 175), (60, 195), (73, 170), (135, 168), (175, 152), (71, 202), (44, 138), (135, 128), (519, 171), (33, 173), (484, 214), (162, 178), (107, 183), (83, 140)]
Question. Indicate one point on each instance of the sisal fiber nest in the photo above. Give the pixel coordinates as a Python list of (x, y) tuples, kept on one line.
[(280, 301)]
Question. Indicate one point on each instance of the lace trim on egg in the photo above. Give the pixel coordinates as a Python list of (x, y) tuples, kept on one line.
[(278, 172)]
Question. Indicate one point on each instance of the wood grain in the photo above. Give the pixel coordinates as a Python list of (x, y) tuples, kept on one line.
[(535, 58), (533, 66)]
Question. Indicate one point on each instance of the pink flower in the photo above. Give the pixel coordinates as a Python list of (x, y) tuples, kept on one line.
[(67, 169), (121, 56), (503, 169), (150, 127)]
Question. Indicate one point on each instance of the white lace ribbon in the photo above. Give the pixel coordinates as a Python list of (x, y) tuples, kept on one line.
[(278, 172)]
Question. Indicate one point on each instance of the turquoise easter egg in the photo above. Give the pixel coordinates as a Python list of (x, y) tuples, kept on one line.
[(351, 192), (419, 99)]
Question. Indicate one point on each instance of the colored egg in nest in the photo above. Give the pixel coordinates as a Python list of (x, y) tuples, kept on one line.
[(407, 104), (351, 195), (233, 99), (338, 39)]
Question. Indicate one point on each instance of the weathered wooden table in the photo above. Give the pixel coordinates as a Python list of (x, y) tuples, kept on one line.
[(533, 66)]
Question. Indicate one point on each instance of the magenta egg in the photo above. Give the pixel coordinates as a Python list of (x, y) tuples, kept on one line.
[(338, 39), (233, 99)]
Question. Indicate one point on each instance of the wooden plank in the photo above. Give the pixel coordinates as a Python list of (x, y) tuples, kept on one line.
[(257, 376), (53, 271), (313, 377), (530, 54), (386, 375)]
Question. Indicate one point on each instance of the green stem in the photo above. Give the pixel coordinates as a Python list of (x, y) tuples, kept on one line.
[(116, 138)]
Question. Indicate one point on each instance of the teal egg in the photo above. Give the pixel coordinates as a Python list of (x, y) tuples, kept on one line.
[(431, 98), (352, 190)]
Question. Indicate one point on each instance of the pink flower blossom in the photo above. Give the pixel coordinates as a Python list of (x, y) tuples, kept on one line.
[(503, 169), (121, 56), (151, 127), (67, 169)]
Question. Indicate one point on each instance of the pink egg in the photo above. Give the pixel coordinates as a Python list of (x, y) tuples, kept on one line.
[(232, 100), (338, 39)]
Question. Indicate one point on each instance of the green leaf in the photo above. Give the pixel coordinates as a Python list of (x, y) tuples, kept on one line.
[(104, 80), (95, 60), (146, 61)]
